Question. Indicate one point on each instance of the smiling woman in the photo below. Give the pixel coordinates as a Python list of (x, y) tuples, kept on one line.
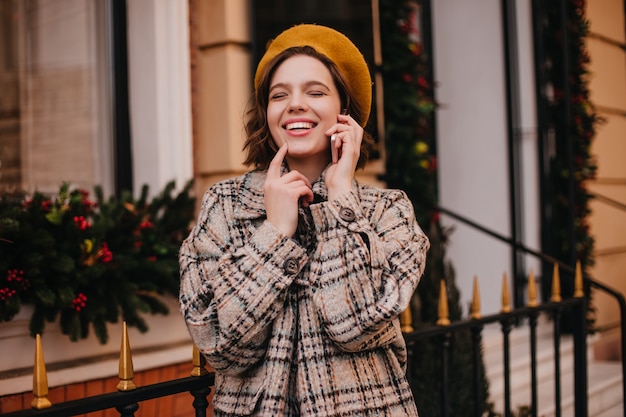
[(295, 274)]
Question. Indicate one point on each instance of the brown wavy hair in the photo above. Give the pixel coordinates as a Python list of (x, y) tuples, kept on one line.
[(259, 145)]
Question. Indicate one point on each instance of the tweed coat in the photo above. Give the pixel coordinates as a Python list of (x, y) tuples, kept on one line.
[(308, 325)]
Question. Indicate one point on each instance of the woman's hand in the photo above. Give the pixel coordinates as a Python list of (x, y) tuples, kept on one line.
[(282, 194), (348, 136)]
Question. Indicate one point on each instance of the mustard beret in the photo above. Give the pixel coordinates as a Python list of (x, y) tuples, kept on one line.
[(336, 47)]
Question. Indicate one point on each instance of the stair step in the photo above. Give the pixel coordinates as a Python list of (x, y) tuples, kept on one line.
[(519, 359), (604, 378), (520, 367), (615, 411), (604, 388)]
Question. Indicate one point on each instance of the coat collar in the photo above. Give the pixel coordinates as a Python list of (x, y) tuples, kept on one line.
[(249, 202)]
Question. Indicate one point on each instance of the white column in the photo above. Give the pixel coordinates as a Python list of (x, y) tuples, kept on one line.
[(471, 126), (160, 92), (472, 135)]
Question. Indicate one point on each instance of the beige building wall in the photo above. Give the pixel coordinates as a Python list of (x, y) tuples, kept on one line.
[(608, 223), (221, 87)]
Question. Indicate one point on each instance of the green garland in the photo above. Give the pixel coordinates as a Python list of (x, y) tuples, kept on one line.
[(88, 262), (409, 107), (579, 131), (411, 165)]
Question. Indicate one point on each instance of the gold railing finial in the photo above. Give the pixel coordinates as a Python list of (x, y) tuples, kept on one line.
[(40, 379), (126, 371), (443, 312), (532, 290), (506, 298), (556, 285), (475, 307), (579, 292), (406, 320), (199, 362)]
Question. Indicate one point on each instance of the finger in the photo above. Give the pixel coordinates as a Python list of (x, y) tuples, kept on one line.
[(338, 128), (342, 127), (295, 176), (343, 137), (345, 118), (274, 168), (307, 197)]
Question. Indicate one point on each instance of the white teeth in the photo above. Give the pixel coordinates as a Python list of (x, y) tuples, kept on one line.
[(299, 125)]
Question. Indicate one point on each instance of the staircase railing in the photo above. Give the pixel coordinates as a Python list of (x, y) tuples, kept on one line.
[(508, 320), (579, 329)]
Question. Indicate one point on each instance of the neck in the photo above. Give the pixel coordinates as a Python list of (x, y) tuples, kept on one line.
[(310, 168)]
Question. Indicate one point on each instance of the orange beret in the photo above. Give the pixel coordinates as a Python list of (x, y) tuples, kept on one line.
[(336, 47)]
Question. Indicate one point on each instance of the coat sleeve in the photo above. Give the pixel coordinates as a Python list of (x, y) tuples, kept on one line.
[(229, 295), (366, 267)]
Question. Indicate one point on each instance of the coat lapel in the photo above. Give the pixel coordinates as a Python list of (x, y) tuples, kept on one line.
[(249, 199)]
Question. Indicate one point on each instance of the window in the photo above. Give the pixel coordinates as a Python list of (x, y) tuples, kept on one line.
[(55, 119)]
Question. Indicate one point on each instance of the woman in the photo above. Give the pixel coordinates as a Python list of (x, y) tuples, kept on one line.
[(294, 276)]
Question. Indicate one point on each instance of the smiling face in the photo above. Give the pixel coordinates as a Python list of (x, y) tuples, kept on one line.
[(303, 103)]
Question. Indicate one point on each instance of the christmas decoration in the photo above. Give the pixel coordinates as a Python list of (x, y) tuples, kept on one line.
[(411, 165), (569, 127), (88, 263)]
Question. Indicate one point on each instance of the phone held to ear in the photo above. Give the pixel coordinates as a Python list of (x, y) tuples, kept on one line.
[(333, 149)]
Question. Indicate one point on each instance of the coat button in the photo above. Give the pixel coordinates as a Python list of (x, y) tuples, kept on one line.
[(291, 266), (347, 214)]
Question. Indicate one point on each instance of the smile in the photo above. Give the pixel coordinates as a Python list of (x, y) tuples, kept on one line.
[(299, 125)]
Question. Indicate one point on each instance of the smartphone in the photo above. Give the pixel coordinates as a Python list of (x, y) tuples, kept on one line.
[(334, 151)]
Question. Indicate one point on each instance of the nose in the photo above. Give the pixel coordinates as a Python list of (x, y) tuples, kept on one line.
[(297, 103)]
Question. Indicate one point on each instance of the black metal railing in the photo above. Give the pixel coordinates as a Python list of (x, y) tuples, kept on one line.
[(128, 402), (508, 321), (579, 329)]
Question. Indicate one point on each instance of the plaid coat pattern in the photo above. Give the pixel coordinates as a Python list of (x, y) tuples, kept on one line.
[(308, 325)]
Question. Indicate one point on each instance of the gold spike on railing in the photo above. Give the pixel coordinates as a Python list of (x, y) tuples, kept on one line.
[(199, 363), (475, 307), (532, 290), (406, 320), (579, 292), (126, 371), (40, 379), (443, 313), (556, 285), (506, 298)]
